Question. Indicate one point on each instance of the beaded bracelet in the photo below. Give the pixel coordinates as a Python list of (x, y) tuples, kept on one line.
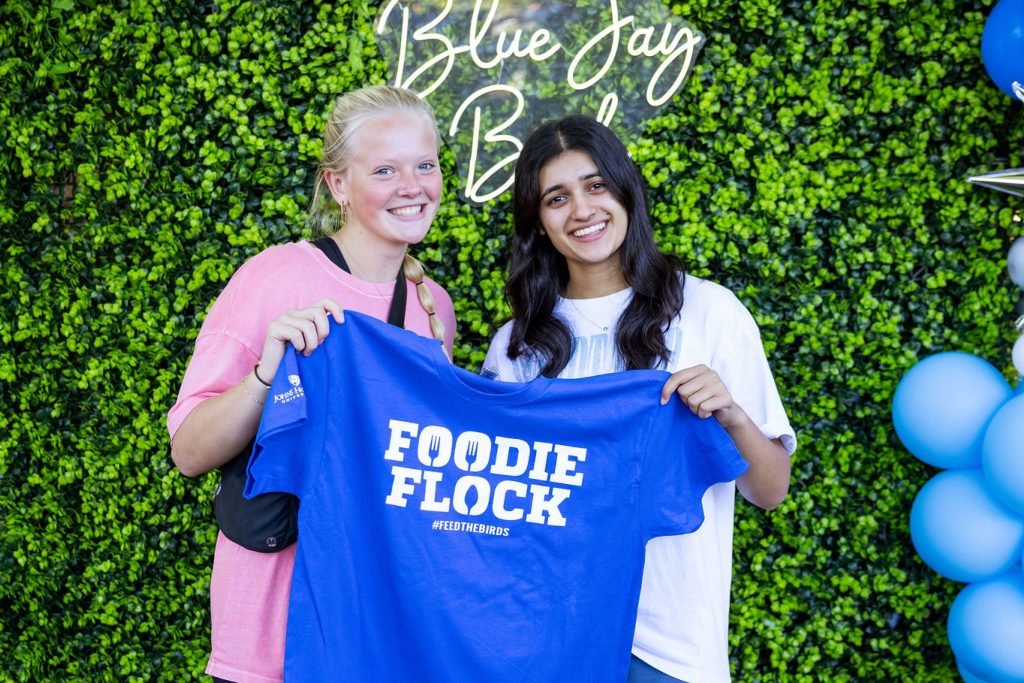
[(249, 394)]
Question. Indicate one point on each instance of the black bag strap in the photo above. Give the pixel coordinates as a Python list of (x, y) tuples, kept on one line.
[(396, 314)]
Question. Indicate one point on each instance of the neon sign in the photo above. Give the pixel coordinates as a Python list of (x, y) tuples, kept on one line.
[(494, 69)]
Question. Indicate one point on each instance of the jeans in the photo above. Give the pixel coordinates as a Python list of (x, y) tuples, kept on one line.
[(642, 672)]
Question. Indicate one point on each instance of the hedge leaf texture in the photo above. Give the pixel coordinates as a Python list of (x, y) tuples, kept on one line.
[(815, 162)]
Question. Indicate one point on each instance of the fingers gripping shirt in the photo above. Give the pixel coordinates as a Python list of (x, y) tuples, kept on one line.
[(457, 528)]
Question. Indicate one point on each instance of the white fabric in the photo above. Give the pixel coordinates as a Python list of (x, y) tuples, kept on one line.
[(683, 620)]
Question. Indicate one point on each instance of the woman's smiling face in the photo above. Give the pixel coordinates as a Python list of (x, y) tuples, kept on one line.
[(580, 215), (393, 182)]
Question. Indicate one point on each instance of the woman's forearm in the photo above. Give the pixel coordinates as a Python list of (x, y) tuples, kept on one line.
[(219, 428), (766, 482)]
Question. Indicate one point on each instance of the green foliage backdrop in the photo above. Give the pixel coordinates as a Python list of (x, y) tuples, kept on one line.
[(815, 162)]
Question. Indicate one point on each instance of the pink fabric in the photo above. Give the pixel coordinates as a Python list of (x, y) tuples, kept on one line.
[(249, 590), (248, 612)]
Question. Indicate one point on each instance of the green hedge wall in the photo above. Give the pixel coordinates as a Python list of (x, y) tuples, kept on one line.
[(815, 162)]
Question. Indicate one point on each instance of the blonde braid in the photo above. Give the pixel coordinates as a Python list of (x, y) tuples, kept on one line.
[(413, 270)]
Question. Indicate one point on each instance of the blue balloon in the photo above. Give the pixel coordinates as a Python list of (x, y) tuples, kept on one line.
[(1015, 262), (1002, 47), (943, 404), (1002, 454), (986, 628), (969, 676), (961, 531)]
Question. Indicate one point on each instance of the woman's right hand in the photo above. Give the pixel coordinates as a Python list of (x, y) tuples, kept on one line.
[(303, 328)]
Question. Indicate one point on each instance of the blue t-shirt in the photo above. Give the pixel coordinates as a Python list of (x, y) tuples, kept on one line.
[(453, 528)]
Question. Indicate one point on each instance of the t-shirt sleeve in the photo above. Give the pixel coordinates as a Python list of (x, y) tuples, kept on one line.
[(231, 337), (287, 451), (218, 363), (741, 362), (684, 456)]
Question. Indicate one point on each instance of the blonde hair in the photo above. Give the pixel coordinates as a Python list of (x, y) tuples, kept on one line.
[(347, 114)]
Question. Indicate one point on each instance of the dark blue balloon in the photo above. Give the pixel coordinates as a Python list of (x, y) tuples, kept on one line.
[(1002, 47), (968, 675)]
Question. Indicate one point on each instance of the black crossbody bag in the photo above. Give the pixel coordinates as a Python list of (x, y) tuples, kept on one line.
[(269, 522)]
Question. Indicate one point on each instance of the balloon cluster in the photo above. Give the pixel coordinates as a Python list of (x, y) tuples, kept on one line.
[(1002, 47), (957, 412)]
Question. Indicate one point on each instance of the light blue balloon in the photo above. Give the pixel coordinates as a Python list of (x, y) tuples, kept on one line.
[(1002, 454), (1018, 356), (961, 531), (986, 628), (1015, 259), (943, 404), (1002, 47)]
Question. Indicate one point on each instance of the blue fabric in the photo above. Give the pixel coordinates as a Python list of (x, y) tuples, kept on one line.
[(642, 672), (455, 528)]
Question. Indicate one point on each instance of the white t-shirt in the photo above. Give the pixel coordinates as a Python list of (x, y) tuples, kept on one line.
[(683, 619)]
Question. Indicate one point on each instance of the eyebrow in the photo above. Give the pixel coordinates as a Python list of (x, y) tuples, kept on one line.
[(559, 186)]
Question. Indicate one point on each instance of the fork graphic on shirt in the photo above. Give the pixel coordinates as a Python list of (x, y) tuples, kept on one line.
[(472, 449), (436, 458), (434, 449)]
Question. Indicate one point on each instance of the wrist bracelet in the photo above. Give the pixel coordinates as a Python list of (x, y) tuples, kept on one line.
[(255, 371), (249, 394)]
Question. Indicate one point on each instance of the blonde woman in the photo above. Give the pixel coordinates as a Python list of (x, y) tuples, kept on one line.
[(377, 192)]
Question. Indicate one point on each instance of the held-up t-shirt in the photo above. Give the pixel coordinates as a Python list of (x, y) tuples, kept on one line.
[(453, 528)]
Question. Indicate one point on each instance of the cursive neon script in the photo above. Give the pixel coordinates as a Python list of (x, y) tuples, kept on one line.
[(484, 49)]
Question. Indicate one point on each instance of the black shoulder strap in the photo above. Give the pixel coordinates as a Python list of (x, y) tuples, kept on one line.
[(331, 250), (396, 314)]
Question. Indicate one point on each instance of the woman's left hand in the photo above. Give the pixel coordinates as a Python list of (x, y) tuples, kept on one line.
[(703, 391)]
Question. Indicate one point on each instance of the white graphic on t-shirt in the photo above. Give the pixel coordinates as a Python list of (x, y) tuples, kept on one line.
[(512, 465), (292, 394)]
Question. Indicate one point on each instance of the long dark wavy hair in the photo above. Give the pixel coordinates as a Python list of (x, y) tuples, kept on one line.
[(538, 273)]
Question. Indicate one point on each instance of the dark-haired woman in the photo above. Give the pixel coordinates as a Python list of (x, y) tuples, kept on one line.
[(591, 294)]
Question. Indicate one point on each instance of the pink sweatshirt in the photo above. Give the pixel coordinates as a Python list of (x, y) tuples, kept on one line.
[(249, 590)]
